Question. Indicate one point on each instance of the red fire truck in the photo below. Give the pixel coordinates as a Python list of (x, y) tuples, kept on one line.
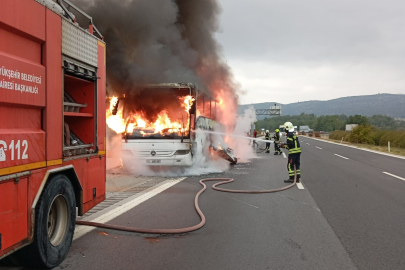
[(52, 127)]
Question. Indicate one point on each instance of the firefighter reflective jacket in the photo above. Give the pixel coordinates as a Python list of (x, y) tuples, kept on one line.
[(267, 136), (277, 136), (293, 144)]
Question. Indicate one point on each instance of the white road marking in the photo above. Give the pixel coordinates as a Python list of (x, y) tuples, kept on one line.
[(393, 175), (82, 230), (362, 149), (308, 143), (242, 202), (300, 185), (318, 147), (284, 155), (341, 156)]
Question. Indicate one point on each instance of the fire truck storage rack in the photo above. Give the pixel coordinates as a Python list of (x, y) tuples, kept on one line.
[(80, 109)]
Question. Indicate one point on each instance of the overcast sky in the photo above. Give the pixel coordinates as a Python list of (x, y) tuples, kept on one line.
[(298, 50)]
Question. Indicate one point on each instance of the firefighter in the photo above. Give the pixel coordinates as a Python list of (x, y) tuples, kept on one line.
[(294, 153), (267, 137), (254, 143), (276, 138)]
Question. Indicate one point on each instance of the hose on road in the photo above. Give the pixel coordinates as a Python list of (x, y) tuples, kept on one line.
[(197, 208), (260, 150)]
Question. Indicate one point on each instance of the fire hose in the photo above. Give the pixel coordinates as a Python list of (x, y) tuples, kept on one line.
[(197, 208)]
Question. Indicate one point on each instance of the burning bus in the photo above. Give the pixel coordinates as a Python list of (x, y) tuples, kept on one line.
[(157, 123)]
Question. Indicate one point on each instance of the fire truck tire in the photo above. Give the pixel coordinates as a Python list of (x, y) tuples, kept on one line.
[(55, 218)]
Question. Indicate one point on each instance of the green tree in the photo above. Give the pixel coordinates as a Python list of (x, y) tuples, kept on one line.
[(385, 122), (331, 122), (357, 119), (361, 134), (328, 123)]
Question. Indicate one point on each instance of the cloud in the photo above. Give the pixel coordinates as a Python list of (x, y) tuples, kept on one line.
[(314, 49), (292, 83)]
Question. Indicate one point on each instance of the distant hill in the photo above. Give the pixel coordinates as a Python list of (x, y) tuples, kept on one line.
[(392, 105)]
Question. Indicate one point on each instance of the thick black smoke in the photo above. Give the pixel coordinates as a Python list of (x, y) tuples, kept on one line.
[(161, 41)]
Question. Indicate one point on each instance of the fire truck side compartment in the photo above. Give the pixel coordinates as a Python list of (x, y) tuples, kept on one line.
[(101, 89), (53, 111), (31, 43)]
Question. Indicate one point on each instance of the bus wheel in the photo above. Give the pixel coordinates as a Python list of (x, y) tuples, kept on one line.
[(55, 217)]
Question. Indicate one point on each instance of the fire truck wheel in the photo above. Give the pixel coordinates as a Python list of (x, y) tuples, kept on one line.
[(55, 217)]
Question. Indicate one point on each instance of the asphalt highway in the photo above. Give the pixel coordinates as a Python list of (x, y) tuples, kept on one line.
[(363, 204), (348, 214), (243, 231)]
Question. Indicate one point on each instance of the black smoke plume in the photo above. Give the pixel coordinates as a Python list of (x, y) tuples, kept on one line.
[(161, 41)]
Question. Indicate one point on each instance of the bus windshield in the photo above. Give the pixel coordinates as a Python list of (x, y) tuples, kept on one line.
[(159, 113)]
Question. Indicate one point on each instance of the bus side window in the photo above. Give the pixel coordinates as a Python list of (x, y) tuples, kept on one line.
[(207, 107), (200, 105), (213, 110), (192, 121)]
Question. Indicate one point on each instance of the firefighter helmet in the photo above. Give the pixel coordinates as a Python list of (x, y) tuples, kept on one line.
[(288, 126), (267, 131), (277, 130)]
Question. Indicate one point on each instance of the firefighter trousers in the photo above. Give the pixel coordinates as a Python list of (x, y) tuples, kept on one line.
[(276, 147), (294, 159), (267, 147)]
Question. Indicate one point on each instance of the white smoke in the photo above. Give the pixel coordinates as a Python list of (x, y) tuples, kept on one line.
[(205, 161), (122, 161), (113, 151), (242, 148)]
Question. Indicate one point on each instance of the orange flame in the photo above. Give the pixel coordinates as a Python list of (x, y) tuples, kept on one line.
[(220, 101), (187, 103), (113, 103), (162, 124)]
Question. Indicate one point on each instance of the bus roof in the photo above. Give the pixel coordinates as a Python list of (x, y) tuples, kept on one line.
[(179, 86), (171, 85)]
